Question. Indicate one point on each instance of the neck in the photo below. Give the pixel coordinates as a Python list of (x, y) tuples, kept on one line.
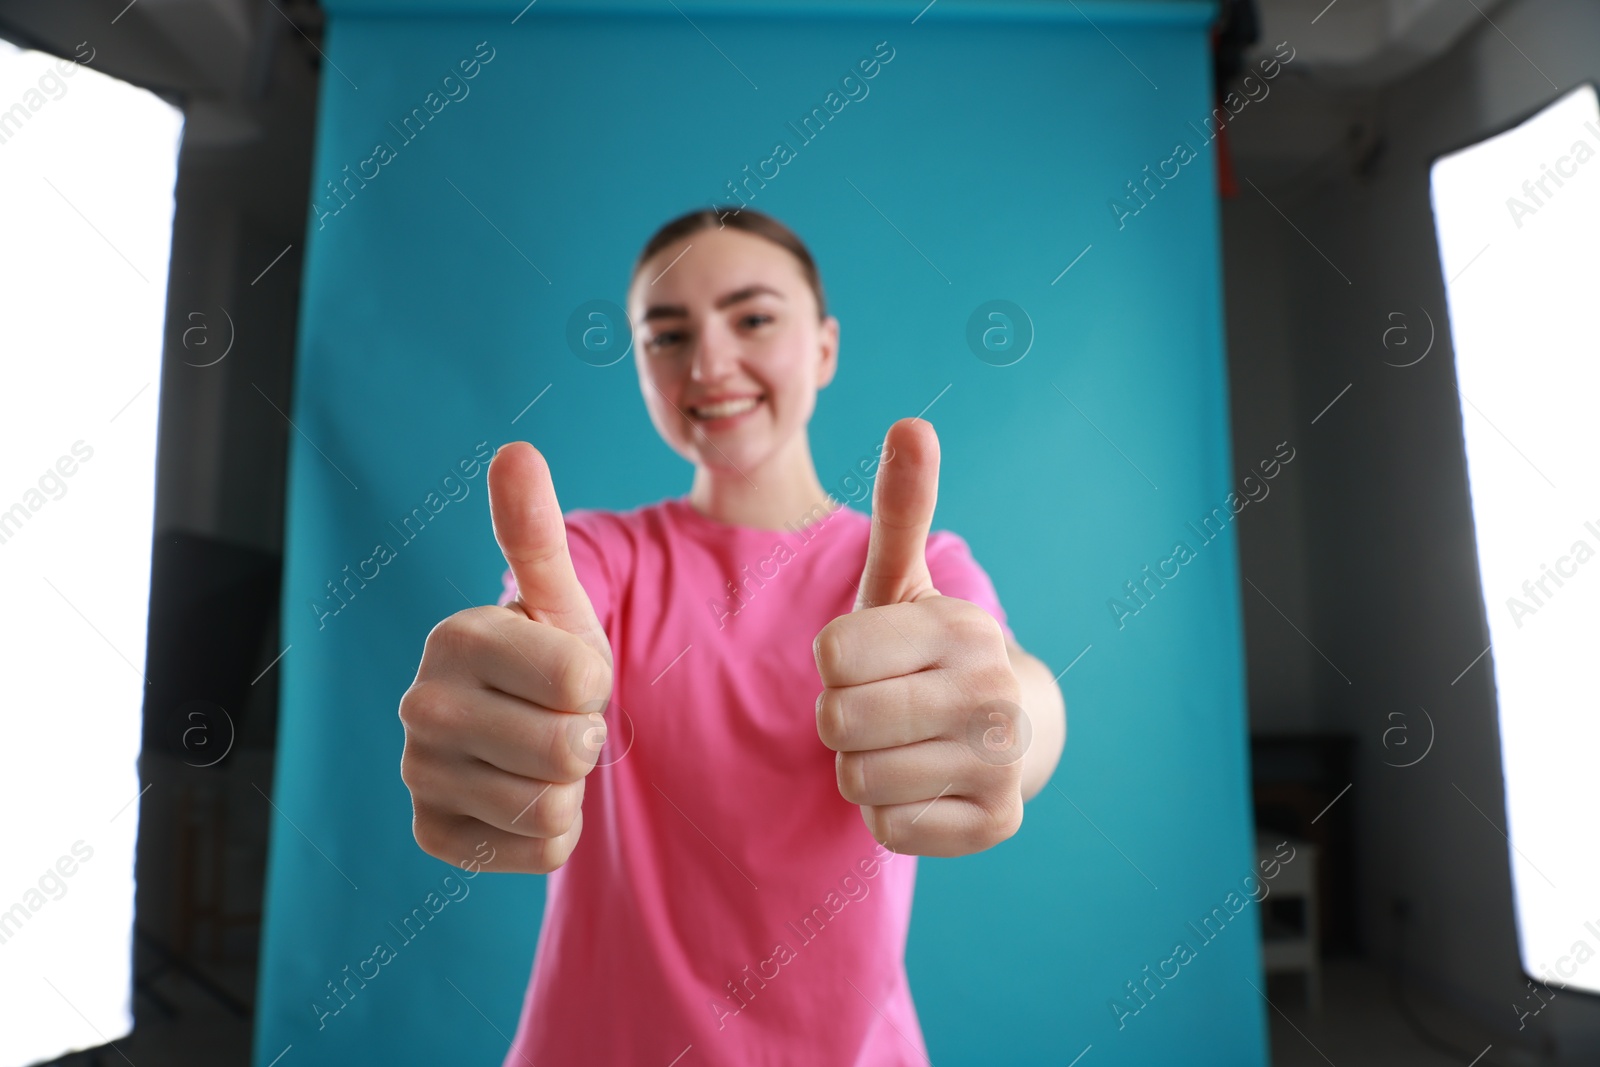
[(781, 494)]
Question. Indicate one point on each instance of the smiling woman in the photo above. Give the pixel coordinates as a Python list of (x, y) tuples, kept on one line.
[(730, 384), (895, 623)]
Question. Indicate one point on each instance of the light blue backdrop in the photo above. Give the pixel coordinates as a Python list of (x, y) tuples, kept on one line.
[(978, 167)]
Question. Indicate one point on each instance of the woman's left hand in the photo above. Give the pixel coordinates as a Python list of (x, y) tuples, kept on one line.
[(920, 699)]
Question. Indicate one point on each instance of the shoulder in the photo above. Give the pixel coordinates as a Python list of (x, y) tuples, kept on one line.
[(608, 523), (947, 545), (953, 567), (956, 573), (621, 536)]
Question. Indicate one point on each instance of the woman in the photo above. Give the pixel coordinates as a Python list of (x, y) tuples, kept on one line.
[(803, 699)]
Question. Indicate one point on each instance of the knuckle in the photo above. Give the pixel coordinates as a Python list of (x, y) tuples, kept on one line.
[(431, 710), (420, 708), (556, 809), (432, 835), (974, 624), (403, 709), (831, 719), (579, 675), (996, 676), (851, 770), (563, 745), (877, 821), (1001, 823), (828, 650), (601, 684), (409, 706), (543, 855), (999, 785), (1011, 821), (592, 732), (451, 638), (568, 806), (411, 770)]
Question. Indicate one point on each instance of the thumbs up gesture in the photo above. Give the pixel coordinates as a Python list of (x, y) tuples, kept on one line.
[(503, 721), (920, 700)]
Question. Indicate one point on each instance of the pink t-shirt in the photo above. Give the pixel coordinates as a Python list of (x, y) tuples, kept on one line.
[(724, 904)]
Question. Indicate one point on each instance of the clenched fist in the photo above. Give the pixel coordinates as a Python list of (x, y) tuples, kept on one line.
[(920, 698), (503, 721)]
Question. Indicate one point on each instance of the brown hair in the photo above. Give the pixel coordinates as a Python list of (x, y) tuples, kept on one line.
[(750, 221)]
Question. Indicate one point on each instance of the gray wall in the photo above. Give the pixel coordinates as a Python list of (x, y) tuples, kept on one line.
[(1370, 548)]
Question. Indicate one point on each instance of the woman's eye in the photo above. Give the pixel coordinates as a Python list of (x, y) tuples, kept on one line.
[(754, 319), (662, 340)]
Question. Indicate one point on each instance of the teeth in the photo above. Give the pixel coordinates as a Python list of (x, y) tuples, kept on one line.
[(727, 407)]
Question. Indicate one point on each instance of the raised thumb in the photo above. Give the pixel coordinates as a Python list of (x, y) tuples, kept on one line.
[(902, 513), (533, 538)]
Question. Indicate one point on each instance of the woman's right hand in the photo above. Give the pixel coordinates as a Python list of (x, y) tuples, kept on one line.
[(503, 721)]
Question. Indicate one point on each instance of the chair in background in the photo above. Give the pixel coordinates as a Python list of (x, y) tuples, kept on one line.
[(1287, 945)]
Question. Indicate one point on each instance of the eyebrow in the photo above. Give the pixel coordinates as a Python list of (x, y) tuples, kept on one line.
[(662, 311)]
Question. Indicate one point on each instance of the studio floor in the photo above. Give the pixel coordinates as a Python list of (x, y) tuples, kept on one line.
[(1361, 1025)]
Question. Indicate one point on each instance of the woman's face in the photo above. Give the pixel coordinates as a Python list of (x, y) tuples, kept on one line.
[(729, 348)]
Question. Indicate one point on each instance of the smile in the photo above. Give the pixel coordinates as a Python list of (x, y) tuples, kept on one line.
[(725, 409)]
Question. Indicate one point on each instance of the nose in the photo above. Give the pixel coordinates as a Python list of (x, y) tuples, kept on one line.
[(716, 353)]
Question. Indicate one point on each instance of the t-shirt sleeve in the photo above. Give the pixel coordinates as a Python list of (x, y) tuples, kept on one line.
[(585, 544), (956, 573)]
